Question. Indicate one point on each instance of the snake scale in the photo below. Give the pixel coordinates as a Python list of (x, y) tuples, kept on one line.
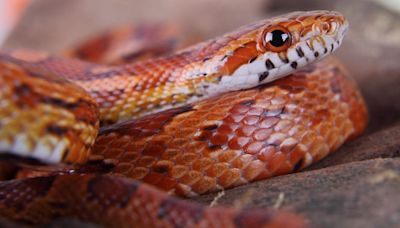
[(242, 107)]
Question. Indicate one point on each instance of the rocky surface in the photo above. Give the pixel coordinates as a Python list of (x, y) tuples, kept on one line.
[(356, 194), (357, 186)]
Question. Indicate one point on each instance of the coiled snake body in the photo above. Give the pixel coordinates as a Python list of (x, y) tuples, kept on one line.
[(210, 117)]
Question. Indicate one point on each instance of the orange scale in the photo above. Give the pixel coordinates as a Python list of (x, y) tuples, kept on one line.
[(123, 167), (202, 164), (268, 122), (166, 184), (276, 138), (194, 121), (234, 118), (245, 130), (348, 128), (214, 116), (113, 152), (265, 174), (246, 95), (324, 130), (135, 146), (284, 169), (253, 169), (224, 129), (264, 101), (313, 86), (248, 51), (191, 177), (238, 143), (308, 138), (224, 100), (105, 139), (256, 111), (242, 161), (240, 109), (315, 147), (227, 156), (206, 184), (153, 150), (277, 160), (295, 25), (332, 105), (279, 100), (322, 100), (186, 158), (178, 143), (254, 148), (334, 139), (324, 81), (177, 121), (98, 149), (217, 169), (161, 139), (130, 157), (322, 152), (202, 136), (297, 154), (305, 119), (262, 134), (74, 152), (163, 166), (178, 171), (233, 126), (219, 139), (267, 153), (309, 106), (251, 120), (146, 161), (84, 155), (183, 132), (283, 125), (296, 131), (195, 146), (229, 178), (153, 178), (138, 173)]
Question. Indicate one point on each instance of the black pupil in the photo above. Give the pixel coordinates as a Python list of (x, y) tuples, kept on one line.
[(277, 38)]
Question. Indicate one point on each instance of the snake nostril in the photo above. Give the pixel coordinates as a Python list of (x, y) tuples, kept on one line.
[(325, 27)]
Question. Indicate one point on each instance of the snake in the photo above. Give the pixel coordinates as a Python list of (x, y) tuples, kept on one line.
[(115, 142)]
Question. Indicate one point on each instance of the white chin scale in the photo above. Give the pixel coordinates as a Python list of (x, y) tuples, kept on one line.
[(48, 149)]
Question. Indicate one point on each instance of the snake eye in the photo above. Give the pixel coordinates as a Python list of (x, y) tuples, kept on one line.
[(277, 39)]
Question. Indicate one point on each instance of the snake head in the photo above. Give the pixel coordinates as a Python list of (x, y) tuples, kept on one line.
[(271, 49)]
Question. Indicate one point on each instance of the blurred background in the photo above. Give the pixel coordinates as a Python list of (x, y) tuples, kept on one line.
[(371, 52), (10, 12)]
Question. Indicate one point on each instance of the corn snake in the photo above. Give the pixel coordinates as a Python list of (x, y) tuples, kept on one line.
[(195, 128)]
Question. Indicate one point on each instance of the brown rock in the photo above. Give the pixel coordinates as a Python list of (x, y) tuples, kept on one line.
[(380, 144), (357, 194)]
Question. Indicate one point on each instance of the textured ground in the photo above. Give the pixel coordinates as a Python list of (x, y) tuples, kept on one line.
[(355, 187)]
